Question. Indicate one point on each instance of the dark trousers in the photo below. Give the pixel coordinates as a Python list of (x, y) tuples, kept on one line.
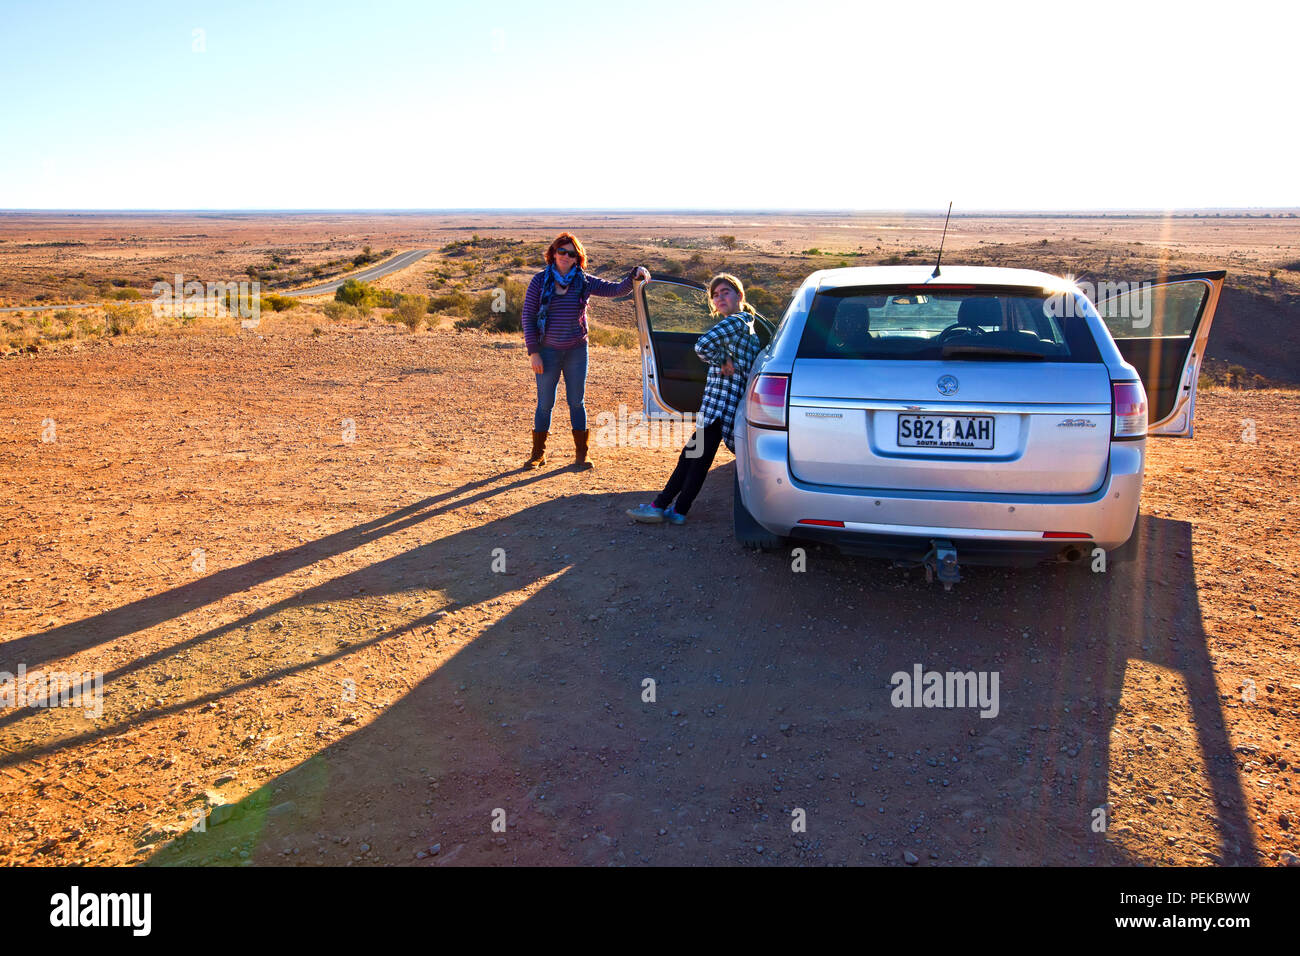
[(688, 477)]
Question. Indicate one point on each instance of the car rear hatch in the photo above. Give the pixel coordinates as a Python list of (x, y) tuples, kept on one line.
[(948, 390)]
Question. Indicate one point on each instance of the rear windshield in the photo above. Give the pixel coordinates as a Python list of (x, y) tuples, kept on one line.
[(984, 325)]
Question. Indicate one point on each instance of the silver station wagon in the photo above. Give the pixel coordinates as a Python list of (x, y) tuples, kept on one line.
[(984, 415)]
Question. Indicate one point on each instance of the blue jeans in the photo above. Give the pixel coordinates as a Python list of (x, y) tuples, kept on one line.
[(573, 363)]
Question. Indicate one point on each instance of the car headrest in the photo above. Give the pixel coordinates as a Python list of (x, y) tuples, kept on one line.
[(854, 316), (980, 311)]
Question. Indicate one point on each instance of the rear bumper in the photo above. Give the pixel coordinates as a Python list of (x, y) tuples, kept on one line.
[(985, 528)]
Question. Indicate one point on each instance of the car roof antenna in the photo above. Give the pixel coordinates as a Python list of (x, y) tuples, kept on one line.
[(935, 273)]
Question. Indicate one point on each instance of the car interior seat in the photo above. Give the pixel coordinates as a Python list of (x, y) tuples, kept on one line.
[(851, 332), (982, 311)]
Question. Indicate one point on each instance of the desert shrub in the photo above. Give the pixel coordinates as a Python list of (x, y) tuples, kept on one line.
[(517, 261), (456, 302), (497, 310), (233, 301), (411, 310), (387, 298), (126, 295), (279, 303), (340, 312), (1231, 376), (728, 242), (814, 251), (618, 338), (501, 309), (122, 319), (355, 292), (766, 303)]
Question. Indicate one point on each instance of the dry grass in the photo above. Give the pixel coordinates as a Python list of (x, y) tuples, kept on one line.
[(618, 338), (52, 257)]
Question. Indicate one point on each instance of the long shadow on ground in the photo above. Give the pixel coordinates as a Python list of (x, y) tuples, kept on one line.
[(772, 695)]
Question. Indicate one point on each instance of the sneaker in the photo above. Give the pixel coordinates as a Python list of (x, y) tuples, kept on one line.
[(648, 514), (672, 517)]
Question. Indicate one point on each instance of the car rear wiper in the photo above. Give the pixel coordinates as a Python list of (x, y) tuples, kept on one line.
[(974, 351)]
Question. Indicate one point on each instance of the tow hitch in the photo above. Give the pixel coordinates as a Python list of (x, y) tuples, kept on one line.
[(941, 562)]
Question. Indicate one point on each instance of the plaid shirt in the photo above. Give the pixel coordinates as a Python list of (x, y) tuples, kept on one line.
[(732, 338)]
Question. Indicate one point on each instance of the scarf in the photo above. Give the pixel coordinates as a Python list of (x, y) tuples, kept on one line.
[(575, 279)]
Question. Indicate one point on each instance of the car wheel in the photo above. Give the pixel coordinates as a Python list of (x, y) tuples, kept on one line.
[(749, 532)]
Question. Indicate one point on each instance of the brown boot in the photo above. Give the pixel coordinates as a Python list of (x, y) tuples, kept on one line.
[(580, 448), (538, 457)]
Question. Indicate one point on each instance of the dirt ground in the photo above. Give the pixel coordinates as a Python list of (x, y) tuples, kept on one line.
[(336, 623)]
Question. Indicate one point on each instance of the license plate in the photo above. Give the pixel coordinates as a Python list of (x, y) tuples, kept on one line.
[(945, 431)]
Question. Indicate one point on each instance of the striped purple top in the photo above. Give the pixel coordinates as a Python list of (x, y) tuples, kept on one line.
[(566, 320)]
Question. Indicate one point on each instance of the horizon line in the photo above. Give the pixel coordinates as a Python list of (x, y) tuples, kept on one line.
[(750, 210)]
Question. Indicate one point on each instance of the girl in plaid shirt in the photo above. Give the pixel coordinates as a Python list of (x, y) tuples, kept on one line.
[(729, 349)]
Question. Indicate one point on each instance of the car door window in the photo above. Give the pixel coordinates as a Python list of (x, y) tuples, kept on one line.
[(1155, 326), (677, 308), (676, 315), (1154, 311)]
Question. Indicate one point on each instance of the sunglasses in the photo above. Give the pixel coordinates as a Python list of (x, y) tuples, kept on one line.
[(566, 252)]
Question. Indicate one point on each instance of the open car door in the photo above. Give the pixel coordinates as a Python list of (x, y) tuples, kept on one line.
[(1161, 328), (671, 314)]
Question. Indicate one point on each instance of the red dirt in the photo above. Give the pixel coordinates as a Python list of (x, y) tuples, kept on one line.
[(327, 561)]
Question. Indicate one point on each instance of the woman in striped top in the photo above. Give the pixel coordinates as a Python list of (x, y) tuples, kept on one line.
[(555, 331)]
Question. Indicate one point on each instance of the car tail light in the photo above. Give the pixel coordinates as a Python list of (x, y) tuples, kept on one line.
[(1129, 410), (766, 403)]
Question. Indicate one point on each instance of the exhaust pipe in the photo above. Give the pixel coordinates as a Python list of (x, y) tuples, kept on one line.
[(1072, 553)]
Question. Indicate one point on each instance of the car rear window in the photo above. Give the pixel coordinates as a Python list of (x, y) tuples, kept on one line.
[(978, 325)]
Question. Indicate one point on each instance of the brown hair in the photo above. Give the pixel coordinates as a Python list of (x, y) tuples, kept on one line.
[(560, 240), (732, 281)]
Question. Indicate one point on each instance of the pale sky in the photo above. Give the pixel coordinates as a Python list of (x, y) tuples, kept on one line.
[(754, 105)]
